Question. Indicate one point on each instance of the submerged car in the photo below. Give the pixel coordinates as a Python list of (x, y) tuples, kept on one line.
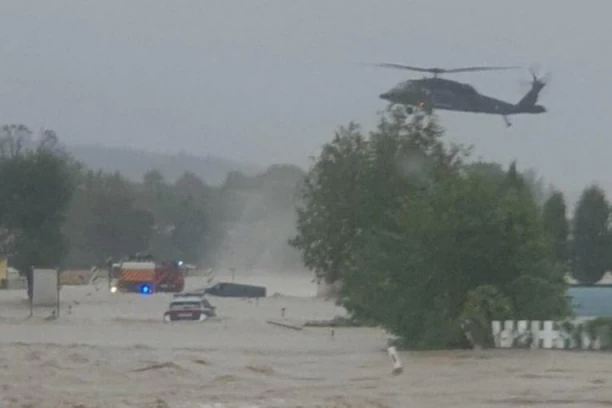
[(189, 306), (230, 289)]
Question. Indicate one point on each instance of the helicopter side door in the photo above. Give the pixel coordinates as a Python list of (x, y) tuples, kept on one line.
[(470, 98), (443, 97)]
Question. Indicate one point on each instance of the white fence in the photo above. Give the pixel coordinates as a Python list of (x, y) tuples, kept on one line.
[(541, 334)]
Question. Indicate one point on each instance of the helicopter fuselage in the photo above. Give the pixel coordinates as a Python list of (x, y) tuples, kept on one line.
[(439, 93)]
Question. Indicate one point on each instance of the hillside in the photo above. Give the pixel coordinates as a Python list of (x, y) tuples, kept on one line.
[(134, 163)]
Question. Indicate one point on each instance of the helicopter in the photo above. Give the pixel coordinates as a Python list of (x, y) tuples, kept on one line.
[(431, 93)]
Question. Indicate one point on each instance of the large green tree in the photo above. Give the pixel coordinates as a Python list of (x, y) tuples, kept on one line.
[(466, 234), (329, 215), (36, 188), (357, 178), (418, 233), (591, 238)]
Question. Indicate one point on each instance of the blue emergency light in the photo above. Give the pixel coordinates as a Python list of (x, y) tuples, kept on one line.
[(145, 289)]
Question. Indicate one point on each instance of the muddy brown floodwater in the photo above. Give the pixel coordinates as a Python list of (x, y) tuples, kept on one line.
[(113, 350)]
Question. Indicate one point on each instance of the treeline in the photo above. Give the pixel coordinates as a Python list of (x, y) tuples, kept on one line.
[(429, 246), (57, 212), (110, 216)]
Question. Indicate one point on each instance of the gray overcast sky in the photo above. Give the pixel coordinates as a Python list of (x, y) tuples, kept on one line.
[(269, 80)]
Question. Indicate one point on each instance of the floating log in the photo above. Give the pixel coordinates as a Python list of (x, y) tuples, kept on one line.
[(287, 324)]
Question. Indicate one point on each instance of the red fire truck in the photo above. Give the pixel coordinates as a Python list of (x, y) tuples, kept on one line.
[(143, 275)]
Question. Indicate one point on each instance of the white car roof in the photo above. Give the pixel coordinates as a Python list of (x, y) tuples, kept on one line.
[(186, 299)]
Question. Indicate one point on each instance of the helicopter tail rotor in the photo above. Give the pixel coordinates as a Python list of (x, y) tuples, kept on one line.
[(538, 81), (529, 101)]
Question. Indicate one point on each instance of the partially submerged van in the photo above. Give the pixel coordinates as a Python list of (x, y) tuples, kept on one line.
[(230, 289)]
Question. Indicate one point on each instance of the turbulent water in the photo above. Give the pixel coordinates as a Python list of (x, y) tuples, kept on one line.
[(113, 350)]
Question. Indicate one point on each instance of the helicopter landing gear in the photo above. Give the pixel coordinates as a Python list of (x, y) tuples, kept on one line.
[(508, 124), (413, 113), (410, 110)]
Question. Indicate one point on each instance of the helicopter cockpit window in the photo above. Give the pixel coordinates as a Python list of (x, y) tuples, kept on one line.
[(468, 88), (405, 86)]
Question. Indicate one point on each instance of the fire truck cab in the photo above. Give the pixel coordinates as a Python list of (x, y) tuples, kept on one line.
[(143, 275)]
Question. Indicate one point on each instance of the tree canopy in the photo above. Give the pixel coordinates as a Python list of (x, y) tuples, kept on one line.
[(114, 217), (591, 236), (557, 225), (36, 187), (419, 238)]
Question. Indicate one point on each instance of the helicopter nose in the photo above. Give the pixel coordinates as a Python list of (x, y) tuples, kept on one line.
[(384, 95)]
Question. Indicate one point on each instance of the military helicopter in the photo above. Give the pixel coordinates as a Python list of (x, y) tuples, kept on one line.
[(431, 93)]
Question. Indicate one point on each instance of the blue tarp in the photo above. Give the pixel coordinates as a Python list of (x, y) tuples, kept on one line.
[(591, 301)]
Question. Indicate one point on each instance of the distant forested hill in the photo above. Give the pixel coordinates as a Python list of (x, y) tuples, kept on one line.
[(133, 163)]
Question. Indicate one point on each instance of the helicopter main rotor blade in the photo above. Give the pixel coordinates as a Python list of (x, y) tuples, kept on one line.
[(408, 67), (443, 70), (471, 69)]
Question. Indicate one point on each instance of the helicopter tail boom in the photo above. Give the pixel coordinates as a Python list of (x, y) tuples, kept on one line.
[(528, 103)]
